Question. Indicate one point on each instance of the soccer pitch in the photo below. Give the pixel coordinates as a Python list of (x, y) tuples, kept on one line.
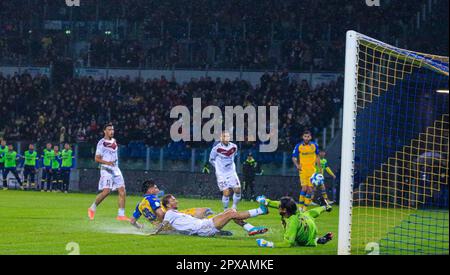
[(45, 223)]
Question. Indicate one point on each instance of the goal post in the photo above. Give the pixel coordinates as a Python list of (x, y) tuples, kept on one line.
[(394, 157), (348, 138)]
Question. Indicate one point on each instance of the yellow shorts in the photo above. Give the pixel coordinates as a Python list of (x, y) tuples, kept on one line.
[(305, 176)]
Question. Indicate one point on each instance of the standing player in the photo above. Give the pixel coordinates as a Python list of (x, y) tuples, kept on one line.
[(47, 156), (66, 165), (111, 178), (55, 174), (222, 159), (3, 150), (306, 158), (29, 168), (321, 169), (11, 158)]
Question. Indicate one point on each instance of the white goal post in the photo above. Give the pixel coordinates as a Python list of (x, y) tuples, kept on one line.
[(348, 140), (395, 127)]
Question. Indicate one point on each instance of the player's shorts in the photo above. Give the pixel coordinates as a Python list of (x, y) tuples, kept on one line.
[(207, 229), (228, 181), (110, 180), (305, 176)]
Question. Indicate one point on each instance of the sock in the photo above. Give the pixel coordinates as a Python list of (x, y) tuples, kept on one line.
[(301, 199), (248, 227), (307, 200), (255, 212), (121, 212), (225, 201), (324, 195), (236, 199), (94, 206)]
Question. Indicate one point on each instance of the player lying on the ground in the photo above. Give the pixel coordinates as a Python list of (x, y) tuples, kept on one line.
[(152, 210), (300, 227), (189, 225)]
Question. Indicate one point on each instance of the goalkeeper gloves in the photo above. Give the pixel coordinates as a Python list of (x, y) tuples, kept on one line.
[(261, 200), (264, 243)]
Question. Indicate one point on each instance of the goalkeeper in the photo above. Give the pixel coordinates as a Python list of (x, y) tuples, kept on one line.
[(299, 227)]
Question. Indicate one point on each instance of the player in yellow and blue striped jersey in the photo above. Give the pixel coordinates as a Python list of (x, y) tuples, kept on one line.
[(153, 211)]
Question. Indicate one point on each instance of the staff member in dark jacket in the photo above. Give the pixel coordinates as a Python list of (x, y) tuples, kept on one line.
[(250, 169)]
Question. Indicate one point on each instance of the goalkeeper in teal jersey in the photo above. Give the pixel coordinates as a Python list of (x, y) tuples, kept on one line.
[(299, 227)]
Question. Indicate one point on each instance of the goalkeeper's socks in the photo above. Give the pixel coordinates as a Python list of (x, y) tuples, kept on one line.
[(236, 199), (225, 201)]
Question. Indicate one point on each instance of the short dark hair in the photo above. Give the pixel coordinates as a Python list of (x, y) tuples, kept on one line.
[(307, 132), (147, 184), (289, 204), (109, 124), (165, 200)]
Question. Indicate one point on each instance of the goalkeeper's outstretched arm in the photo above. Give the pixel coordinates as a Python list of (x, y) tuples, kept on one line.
[(273, 204)]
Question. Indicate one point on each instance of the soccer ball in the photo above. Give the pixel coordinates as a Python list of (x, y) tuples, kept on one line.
[(317, 179)]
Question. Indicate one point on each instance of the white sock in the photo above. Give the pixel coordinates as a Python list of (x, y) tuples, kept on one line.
[(121, 212), (94, 206), (236, 199), (248, 227), (225, 201), (255, 212)]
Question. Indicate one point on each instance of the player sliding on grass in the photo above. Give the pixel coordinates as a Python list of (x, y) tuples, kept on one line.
[(189, 225), (300, 227), (150, 207), (111, 178)]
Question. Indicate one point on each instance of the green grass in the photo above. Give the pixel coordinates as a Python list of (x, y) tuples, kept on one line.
[(44, 223), (401, 231)]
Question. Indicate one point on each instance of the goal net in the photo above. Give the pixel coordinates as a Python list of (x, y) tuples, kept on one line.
[(395, 143)]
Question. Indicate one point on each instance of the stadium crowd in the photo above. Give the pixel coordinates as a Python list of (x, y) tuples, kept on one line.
[(300, 35), (73, 111)]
